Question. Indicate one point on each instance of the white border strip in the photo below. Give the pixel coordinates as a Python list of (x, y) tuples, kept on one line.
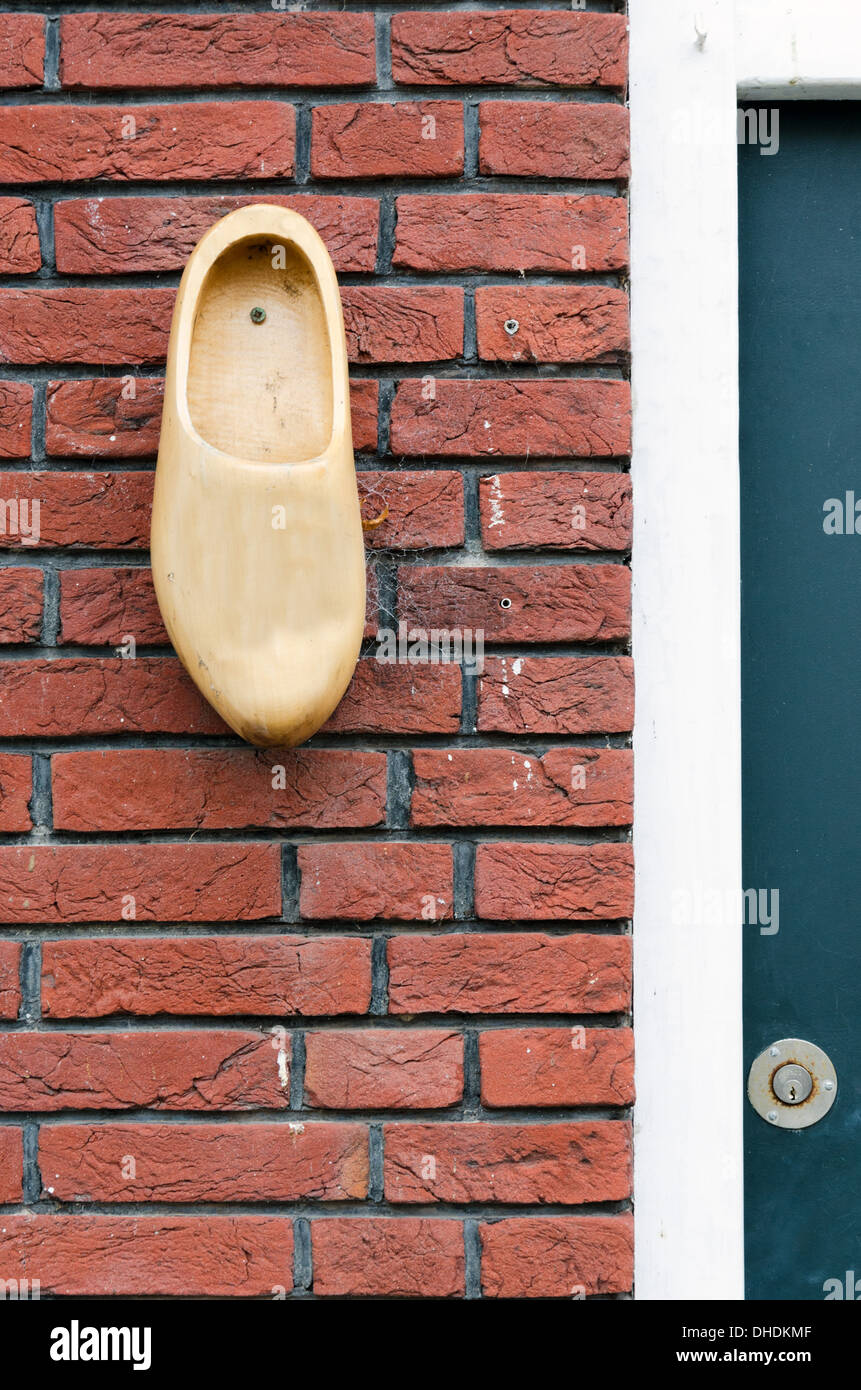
[(687, 736)]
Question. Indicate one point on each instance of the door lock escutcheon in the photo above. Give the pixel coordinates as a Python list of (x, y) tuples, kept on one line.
[(792, 1084)]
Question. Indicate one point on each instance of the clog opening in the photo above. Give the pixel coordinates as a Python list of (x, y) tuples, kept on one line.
[(260, 364)]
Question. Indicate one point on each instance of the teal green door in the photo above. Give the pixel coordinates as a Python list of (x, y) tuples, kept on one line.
[(800, 371)]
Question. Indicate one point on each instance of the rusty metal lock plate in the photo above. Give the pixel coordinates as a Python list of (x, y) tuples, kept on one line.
[(792, 1084)]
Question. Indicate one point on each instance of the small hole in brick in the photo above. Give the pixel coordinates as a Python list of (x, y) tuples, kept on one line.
[(511, 326), (505, 603)]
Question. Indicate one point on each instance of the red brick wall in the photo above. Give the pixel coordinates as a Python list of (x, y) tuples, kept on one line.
[(377, 1014)]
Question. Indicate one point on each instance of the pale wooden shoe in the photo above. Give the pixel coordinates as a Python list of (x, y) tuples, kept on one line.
[(257, 552)]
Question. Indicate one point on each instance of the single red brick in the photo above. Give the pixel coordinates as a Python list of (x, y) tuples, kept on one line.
[(384, 1069), (509, 972), (393, 699), (557, 140), (552, 323), (19, 237), (86, 509), (565, 511), (538, 883), (387, 323), (16, 409), (153, 883), (556, 695), (419, 510), (20, 605), (566, 233), (524, 48), (557, 1257), (108, 606), (85, 325), (191, 140), (16, 788), (215, 50), (382, 140), (105, 236), (204, 1163), (217, 789), (136, 1256), (359, 882), (10, 983), (79, 695), (564, 1163), (22, 50), (204, 1070), (11, 1166), (214, 975), (495, 786), (556, 1066), (587, 418), (523, 603), (387, 1257), (110, 418)]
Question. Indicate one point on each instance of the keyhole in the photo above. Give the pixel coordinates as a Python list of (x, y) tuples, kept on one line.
[(792, 1095)]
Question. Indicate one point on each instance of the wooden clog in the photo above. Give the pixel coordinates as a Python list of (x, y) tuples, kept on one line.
[(257, 551)]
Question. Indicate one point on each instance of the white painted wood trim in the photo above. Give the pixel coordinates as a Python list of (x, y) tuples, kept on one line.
[(687, 735), (689, 61)]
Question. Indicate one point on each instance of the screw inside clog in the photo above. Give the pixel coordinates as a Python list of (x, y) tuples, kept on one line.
[(258, 315)]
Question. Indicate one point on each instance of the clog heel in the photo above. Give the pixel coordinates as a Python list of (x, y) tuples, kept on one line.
[(257, 552)]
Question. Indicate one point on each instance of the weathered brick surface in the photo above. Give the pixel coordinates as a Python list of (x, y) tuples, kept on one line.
[(504, 972), (556, 1066), (560, 1163), (219, 975), (155, 789), (135, 1256), (204, 1163), (557, 1257), (19, 237), (10, 987), (554, 882), (212, 50), (552, 323), (107, 418), (494, 786), (191, 140), (105, 236), (93, 510), (562, 140), (556, 695), (351, 977), (511, 231), (529, 48), (405, 139), (94, 883), (384, 1069), (563, 511), (529, 419), (529, 603), (16, 787), (16, 407), (363, 882), (20, 604), (206, 1070), (22, 50), (11, 1164), (407, 1258)]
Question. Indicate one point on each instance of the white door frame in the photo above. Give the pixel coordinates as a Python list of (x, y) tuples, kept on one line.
[(690, 61)]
